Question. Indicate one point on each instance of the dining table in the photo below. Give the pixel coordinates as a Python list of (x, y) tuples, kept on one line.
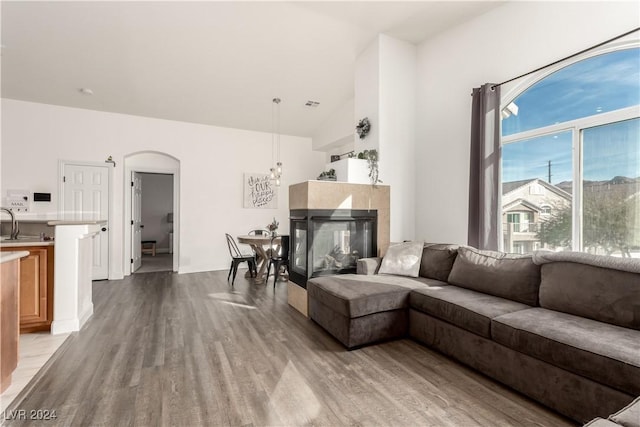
[(258, 243)]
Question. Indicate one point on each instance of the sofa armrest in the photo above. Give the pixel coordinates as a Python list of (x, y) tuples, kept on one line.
[(368, 266)]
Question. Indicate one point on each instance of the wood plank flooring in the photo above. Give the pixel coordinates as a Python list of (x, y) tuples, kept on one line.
[(190, 350)]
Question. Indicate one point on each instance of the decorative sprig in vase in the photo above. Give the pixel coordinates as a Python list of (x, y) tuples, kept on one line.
[(273, 227)]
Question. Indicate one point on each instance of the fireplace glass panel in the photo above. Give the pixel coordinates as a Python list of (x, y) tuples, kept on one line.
[(299, 250), (338, 244), (330, 242)]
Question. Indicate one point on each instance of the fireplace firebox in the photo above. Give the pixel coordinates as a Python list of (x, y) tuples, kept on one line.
[(330, 241)]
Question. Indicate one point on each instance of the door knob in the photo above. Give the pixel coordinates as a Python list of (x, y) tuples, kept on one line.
[(141, 225), (104, 228)]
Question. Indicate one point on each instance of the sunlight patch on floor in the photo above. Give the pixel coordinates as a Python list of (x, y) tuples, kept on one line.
[(235, 299), (292, 402)]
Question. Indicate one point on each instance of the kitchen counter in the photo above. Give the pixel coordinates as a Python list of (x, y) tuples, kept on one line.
[(81, 222), (24, 241), (10, 256)]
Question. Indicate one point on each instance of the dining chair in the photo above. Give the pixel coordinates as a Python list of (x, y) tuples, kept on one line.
[(279, 259), (237, 257)]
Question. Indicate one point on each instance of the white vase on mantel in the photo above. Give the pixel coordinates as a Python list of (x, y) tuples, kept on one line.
[(351, 170)]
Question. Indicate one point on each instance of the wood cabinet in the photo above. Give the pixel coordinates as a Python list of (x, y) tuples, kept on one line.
[(36, 288), (9, 277)]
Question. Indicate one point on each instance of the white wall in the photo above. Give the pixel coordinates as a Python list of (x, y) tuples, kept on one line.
[(385, 89), (367, 95), (212, 163), (397, 132), (335, 131), (157, 202), (503, 43)]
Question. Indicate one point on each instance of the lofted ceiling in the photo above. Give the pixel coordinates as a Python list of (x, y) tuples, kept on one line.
[(216, 63)]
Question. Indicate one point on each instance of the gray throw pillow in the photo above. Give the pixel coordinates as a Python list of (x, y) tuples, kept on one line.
[(514, 277), (402, 259), (437, 260)]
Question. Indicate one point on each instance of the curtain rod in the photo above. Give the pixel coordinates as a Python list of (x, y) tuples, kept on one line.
[(565, 58)]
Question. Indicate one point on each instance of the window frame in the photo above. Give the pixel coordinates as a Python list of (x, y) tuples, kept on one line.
[(575, 126)]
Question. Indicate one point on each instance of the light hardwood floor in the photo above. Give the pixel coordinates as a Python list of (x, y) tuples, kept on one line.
[(168, 349)]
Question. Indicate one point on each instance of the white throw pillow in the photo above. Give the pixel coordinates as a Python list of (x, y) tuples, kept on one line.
[(402, 259)]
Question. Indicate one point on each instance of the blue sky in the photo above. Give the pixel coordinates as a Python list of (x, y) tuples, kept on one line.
[(599, 84)]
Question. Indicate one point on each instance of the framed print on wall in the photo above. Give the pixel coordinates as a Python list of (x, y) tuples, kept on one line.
[(259, 191)]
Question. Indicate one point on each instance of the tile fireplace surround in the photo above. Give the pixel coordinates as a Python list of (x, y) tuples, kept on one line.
[(339, 195)]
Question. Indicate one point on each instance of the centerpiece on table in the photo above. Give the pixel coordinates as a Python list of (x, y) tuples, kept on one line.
[(273, 227)]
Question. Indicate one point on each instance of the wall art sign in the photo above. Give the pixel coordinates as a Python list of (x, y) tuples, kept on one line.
[(259, 191)]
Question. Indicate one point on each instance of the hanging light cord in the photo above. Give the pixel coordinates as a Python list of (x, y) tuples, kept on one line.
[(568, 57), (273, 135)]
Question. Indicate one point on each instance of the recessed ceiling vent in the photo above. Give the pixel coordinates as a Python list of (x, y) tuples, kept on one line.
[(312, 104)]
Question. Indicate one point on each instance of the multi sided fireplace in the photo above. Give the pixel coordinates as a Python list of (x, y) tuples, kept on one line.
[(330, 241)]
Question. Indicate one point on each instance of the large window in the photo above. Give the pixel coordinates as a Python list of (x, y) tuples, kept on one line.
[(571, 159)]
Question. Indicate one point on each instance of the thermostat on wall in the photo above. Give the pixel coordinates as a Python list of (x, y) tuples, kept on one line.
[(41, 197)]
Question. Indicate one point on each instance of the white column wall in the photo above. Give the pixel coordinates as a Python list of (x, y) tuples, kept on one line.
[(397, 132), (212, 163), (503, 43), (385, 89), (367, 95)]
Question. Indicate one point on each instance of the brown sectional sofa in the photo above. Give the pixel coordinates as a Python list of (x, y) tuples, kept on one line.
[(563, 328)]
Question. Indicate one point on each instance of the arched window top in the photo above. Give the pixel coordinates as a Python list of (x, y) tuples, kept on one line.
[(595, 85)]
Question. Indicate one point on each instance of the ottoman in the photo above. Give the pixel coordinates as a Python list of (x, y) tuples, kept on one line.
[(359, 310)]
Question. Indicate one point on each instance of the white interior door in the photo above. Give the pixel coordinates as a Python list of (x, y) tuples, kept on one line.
[(136, 221), (86, 197)]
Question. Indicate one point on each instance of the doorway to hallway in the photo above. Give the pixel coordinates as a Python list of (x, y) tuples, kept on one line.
[(152, 211)]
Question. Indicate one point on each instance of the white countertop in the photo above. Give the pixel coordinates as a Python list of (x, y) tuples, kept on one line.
[(25, 242), (68, 222), (12, 255)]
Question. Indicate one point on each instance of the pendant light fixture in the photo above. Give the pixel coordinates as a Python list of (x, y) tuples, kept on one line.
[(276, 168)]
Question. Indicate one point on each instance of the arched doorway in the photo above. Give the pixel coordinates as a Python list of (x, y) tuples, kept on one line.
[(149, 163)]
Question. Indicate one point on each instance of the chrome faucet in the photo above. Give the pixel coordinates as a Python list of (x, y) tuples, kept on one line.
[(14, 224)]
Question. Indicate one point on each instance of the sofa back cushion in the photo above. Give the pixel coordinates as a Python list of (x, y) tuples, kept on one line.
[(437, 261), (604, 294), (514, 277)]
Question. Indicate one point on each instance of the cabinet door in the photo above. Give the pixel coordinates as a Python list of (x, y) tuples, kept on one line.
[(9, 329), (33, 287)]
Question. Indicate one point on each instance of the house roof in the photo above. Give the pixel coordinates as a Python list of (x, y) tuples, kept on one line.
[(522, 202), (508, 187)]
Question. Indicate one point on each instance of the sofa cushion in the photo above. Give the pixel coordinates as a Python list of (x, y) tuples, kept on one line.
[(437, 260), (629, 416), (402, 259), (602, 352), (514, 277), (462, 307), (598, 293), (368, 265), (600, 422), (355, 295)]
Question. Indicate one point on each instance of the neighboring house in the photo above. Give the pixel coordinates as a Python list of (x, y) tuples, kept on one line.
[(524, 204)]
